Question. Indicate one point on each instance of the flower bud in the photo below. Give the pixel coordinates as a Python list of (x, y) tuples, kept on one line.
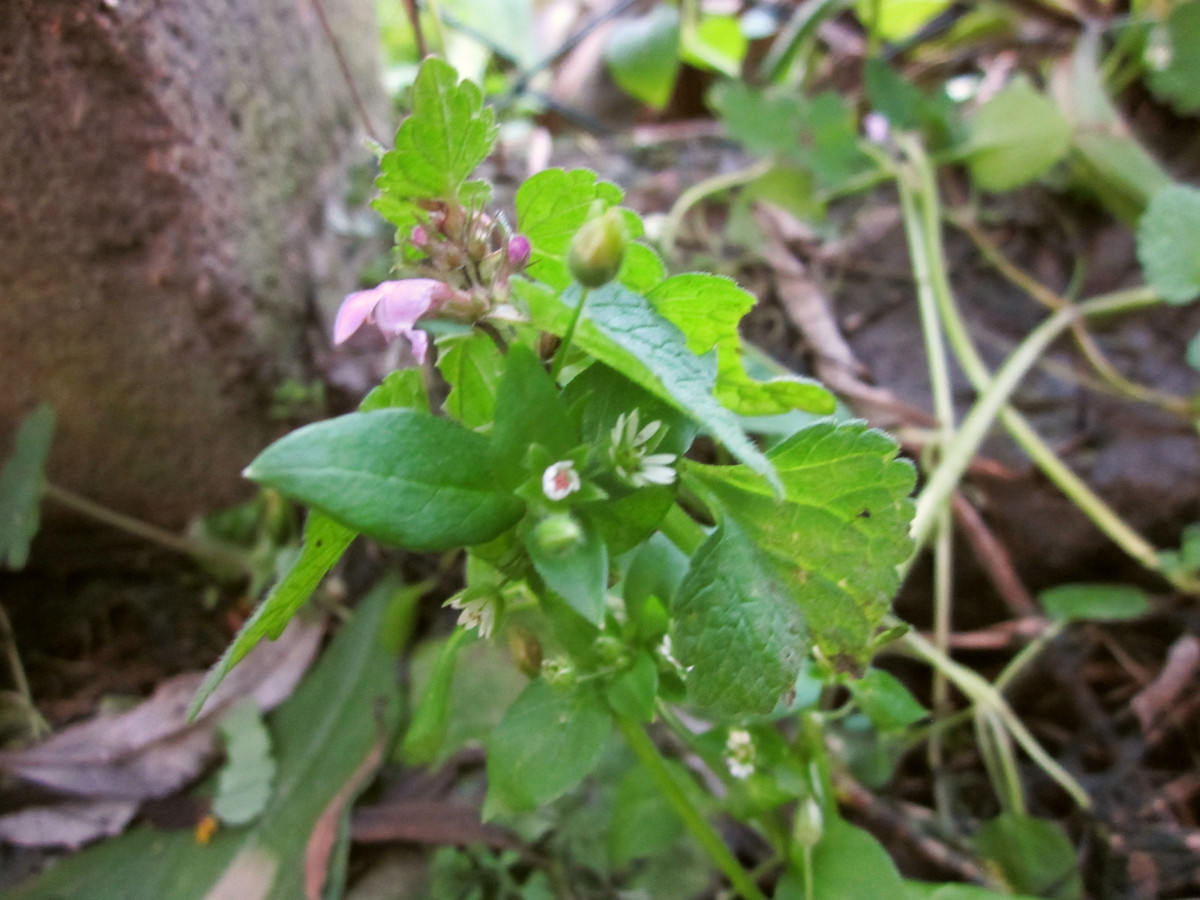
[(808, 824), (558, 533), (598, 248), (519, 249)]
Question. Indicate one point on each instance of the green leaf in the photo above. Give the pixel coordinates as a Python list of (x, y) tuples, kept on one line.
[(643, 821), (600, 395), (449, 133), (898, 19), (906, 106), (427, 731), (1098, 602), (1168, 243), (632, 692), (21, 484), (737, 630), (578, 574), (707, 309), (324, 543), (397, 475), (245, 779), (622, 330), (717, 43), (1193, 352), (921, 891), (471, 365), (328, 738), (1015, 138), (886, 702), (1035, 856), (547, 742), (847, 864), (819, 133), (642, 54), (400, 389), (842, 526), (551, 207), (1178, 42), (529, 411)]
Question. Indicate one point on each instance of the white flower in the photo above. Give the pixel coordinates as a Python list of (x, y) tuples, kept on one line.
[(739, 753), (630, 454), (560, 480), (476, 612)]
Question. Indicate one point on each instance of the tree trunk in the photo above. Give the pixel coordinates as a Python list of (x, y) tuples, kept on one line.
[(172, 176)]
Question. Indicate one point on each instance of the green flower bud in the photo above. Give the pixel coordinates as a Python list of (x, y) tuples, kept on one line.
[(598, 248), (809, 824), (558, 534)]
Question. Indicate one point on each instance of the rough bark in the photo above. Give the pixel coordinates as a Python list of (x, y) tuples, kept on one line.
[(172, 173)]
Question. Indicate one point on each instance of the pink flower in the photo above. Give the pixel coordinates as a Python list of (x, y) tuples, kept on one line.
[(394, 308), (518, 251)]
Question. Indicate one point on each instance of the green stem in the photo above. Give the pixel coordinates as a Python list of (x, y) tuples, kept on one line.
[(700, 828), (564, 346), (146, 531), (987, 699), (682, 530), (1051, 465), (698, 192)]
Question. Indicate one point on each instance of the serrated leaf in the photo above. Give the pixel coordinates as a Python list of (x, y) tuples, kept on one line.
[(441, 143), (707, 309), (21, 484), (1168, 243), (1015, 138), (1179, 44), (736, 628), (397, 475), (642, 54), (842, 526), (1098, 602), (324, 543), (400, 389), (551, 206), (547, 742), (245, 779), (621, 329), (326, 736)]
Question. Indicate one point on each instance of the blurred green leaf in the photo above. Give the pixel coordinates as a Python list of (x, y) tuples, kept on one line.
[(642, 54), (1098, 602), (895, 20), (245, 779), (1035, 856), (885, 701), (547, 742), (643, 822), (1178, 46), (1015, 137), (471, 365), (402, 388), (1168, 243), (21, 484)]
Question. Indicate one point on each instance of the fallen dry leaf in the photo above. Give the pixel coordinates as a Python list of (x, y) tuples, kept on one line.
[(152, 750), (70, 825)]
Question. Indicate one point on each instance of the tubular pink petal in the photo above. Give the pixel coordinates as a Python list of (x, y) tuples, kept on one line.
[(354, 311)]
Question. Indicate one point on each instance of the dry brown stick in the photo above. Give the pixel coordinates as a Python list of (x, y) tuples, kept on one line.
[(319, 6), (994, 558)]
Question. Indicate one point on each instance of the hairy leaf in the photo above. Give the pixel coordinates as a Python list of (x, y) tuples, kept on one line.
[(449, 133), (841, 528), (707, 309), (621, 329), (737, 630)]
